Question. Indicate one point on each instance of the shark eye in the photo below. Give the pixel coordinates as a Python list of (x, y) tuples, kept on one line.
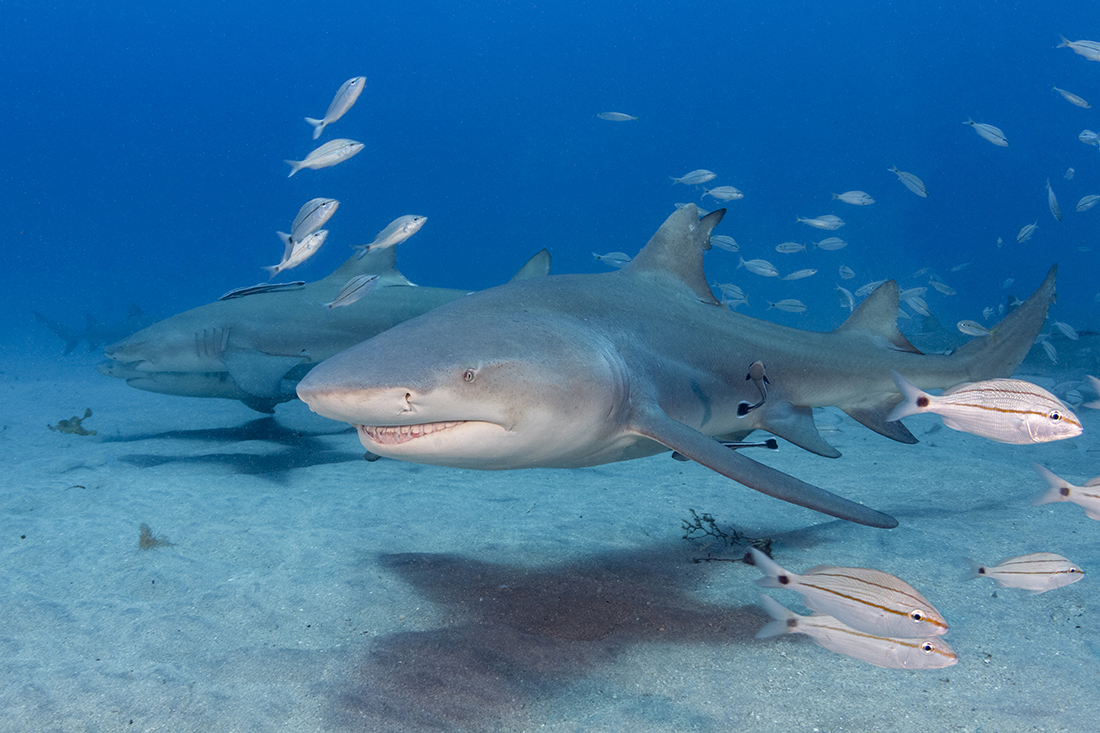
[(468, 375)]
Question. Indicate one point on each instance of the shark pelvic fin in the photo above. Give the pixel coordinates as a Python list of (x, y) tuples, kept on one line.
[(796, 425), (654, 424), (260, 375), (875, 417), (677, 249), (878, 315)]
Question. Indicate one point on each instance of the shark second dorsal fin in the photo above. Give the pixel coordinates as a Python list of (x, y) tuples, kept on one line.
[(677, 249), (878, 315)]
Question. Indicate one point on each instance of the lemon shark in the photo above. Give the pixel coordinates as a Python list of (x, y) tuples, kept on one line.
[(581, 370), (255, 347)]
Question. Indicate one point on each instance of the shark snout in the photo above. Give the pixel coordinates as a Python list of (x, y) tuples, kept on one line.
[(357, 404)]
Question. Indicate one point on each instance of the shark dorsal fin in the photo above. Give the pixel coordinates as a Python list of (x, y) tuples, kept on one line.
[(878, 314), (381, 262), (677, 249), (537, 266)]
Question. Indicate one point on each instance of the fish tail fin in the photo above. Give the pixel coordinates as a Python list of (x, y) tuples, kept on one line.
[(1065, 42), (973, 570), (1058, 489), (785, 621), (771, 569), (272, 271), (983, 358), (910, 394), (70, 336), (295, 166), (318, 126)]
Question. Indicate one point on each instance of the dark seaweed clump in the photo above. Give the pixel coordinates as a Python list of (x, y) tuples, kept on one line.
[(72, 425), (701, 526), (146, 541)]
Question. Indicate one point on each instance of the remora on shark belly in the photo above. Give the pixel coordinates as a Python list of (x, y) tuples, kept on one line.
[(580, 370)]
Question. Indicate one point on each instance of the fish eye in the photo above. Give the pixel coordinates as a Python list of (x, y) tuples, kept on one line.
[(917, 615), (468, 375), (1055, 416), (927, 647)]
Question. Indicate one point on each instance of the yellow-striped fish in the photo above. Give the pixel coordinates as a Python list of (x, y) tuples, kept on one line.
[(876, 649), (1087, 497), (1037, 572), (868, 600), (1004, 410)]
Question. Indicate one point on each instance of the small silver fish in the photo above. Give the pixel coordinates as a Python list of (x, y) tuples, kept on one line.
[(917, 303), (1087, 202), (1051, 352), (879, 650), (989, 132), (831, 244), (1087, 497), (1037, 572), (1004, 410), (1052, 201), (723, 193), (1088, 137), (759, 267), (345, 97), (911, 182), (788, 305), (856, 198), (616, 117), (800, 274), (869, 288), (613, 259), (943, 287), (724, 241), (298, 252), (1073, 98), (1026, 232), (1069, 174), (326, 156), (828, 221), (973, 328), (311, 217), (790, 248), (846, 273), (352, 291), (695, 177), (1088, 49), (1095, 384), (1067, 330), (395, 233)]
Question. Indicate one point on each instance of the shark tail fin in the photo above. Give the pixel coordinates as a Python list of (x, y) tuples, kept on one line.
[(987, 358), (66, 334), (318, 126)]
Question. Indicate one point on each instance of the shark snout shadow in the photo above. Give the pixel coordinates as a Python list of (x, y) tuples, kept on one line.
[(516, 637), (300, 449)]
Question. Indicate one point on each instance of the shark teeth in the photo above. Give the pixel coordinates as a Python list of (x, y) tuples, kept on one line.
[(396, 434)]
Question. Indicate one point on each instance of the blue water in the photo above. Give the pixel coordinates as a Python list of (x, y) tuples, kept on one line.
[(145, 146)]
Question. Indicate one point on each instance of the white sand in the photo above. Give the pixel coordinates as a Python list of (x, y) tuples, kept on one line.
[(308, 590)]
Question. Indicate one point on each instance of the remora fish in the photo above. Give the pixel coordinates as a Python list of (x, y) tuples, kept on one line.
[(345, 97), (876, 649), (1037, 572), (254, 348), (865, 599), (582, 370), (616, 117), (326, 156), (1087, 497), (1004, 410)]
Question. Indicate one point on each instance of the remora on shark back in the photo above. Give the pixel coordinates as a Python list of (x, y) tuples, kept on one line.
[(254, 348), (581, 370)]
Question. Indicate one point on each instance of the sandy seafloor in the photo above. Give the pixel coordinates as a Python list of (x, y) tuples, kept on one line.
[(308, 590)]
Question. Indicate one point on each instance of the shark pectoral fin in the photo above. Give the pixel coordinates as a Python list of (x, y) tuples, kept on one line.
[(656, 425), (876, 416), (795, 424), (259, 374)]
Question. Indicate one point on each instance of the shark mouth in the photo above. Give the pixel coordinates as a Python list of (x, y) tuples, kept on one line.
[(397, 434)]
